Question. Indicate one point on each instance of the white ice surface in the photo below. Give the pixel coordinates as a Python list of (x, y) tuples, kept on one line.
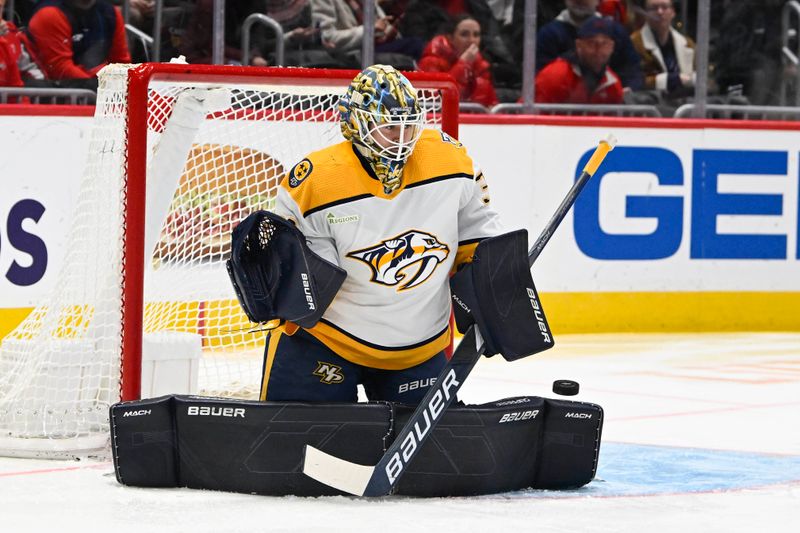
[(702, 434)]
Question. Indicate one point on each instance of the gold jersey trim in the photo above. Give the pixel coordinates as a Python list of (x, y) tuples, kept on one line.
[(371, 355)]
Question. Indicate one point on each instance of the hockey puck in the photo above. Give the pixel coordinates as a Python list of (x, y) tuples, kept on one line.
[(566, 387)]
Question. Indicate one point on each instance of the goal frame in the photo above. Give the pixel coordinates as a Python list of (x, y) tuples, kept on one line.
[(133, 245)]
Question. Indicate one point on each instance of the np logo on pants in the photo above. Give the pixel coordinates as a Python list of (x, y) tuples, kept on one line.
[(329, 373)]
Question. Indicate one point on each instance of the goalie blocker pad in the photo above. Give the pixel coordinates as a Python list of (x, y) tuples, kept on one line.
[(496, 291), (257, 447), (276, 275)]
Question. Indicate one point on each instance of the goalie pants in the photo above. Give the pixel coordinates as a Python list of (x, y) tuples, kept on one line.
[(300, 368)]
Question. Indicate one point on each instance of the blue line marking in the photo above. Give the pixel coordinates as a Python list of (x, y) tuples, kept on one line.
[(643, 470)]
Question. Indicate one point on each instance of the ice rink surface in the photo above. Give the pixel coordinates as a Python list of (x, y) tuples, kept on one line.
[(701, 434)]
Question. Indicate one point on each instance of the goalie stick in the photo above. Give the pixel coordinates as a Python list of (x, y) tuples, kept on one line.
[(380, 480)]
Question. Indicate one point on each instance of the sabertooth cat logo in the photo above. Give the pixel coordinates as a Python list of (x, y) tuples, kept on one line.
[(406, 260)]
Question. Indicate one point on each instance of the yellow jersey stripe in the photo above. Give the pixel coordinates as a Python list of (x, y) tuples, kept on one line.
[(364, 353)]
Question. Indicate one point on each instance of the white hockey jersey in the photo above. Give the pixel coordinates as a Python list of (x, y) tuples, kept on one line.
[(393, 310)]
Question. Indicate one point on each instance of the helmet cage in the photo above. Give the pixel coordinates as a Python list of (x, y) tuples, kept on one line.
[(389, 136)]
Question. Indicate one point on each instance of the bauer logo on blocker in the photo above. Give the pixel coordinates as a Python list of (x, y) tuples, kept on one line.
[(307, 291)]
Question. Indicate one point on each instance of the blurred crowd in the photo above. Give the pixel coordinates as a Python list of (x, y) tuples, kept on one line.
[(587, 51)]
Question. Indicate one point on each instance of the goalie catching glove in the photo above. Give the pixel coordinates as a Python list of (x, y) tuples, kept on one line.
[(496, 291), (276, 275)]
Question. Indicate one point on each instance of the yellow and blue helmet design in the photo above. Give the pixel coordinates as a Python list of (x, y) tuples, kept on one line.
[(380, 113)]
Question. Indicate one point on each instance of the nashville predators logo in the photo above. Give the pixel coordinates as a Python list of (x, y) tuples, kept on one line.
[(329, 373), (406, 260)]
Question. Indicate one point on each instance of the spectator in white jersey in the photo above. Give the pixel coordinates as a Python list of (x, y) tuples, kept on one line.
[(398, 207)]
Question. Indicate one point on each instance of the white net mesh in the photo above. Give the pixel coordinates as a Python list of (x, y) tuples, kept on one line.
[(215, 154)]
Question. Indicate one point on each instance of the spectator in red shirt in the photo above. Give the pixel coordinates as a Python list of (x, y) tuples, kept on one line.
[(458, 52), (76, 38), (17, 62), (583, 75)]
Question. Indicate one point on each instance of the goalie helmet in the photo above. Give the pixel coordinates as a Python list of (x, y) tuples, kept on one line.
[(381, 116)]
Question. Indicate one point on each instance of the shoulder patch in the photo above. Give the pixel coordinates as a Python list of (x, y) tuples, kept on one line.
[(300, 172), (446, 138)]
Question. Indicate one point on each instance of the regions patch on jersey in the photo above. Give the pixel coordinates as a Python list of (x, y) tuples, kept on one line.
[(345, 219), (407, 260), (300, 172), (446, 138)]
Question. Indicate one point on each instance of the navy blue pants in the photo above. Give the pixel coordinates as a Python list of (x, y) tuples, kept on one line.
[(301, 368)]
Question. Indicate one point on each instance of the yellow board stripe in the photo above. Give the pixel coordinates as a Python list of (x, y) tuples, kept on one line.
[(598, 312), (579, 312), (220, 322), (10, 318)]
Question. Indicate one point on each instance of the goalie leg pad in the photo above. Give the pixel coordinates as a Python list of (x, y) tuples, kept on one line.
[(497, 292), (243, 446), (257, 447), (570, 445), (511, 444), (276, 275), (143, 442), (479, 449)]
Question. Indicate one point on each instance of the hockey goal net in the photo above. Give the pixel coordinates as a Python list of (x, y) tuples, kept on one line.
[(177, 156)]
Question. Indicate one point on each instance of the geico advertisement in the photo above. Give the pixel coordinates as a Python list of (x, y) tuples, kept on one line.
[(669, 210)]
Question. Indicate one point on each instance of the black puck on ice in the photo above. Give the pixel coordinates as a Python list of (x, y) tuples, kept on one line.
[(566, 387)]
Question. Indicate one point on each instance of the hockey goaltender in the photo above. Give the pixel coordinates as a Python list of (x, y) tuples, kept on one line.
[(355, 263)]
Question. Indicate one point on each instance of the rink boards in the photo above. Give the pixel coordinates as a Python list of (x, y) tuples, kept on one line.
[(687, 226)]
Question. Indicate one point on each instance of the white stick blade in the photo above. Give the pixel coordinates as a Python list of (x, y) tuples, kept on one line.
[(337, 473)]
